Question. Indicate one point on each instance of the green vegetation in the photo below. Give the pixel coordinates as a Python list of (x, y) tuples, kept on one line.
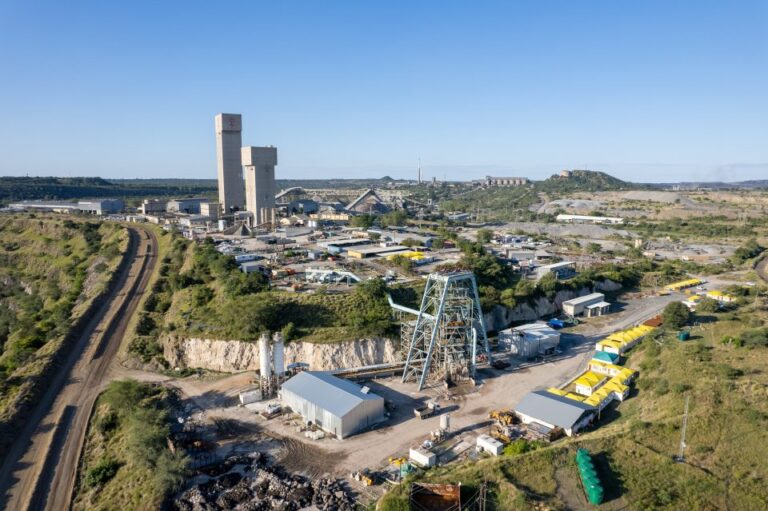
[(65, 188), (127, 463), (634, 443), (200, 292), (51, 272), (749, 250), (676, 315)]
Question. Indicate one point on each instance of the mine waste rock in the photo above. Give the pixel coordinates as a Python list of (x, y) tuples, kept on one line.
[(251, 483)]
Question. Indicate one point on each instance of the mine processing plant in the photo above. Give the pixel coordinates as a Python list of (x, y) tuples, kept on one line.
[(444, 337)]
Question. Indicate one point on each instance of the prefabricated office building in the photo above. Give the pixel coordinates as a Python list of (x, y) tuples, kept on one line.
[(333, 404)]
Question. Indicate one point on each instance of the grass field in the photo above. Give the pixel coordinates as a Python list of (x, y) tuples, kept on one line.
[(634, 445)]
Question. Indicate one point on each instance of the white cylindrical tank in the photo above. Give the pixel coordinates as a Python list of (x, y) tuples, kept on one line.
[(264, 356), (445, 421), (278, 354)]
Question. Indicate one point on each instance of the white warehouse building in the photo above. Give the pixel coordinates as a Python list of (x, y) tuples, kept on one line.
[(526, 341), (335, 405), (590, 305)]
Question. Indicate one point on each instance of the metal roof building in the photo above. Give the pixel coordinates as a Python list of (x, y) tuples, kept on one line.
[(529, 340), (334, 405), (553, 411)]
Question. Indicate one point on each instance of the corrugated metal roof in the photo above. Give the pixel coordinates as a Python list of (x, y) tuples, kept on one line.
[(336, 395), (585, 299), (604, 356), (553, 409)]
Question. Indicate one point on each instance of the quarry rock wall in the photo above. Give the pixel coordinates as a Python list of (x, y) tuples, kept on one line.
[(234, 356)]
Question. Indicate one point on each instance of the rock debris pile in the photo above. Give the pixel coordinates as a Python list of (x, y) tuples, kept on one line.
[(251, 483)]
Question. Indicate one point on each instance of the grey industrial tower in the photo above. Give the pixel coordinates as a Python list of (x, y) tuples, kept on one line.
[(260, 186), (228, 165)]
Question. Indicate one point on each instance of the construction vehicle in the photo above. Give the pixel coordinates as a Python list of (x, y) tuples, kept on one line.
[(503, 417), (364, 476)]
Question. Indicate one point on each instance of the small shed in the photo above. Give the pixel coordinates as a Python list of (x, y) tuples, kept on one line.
[(590, 305), (490, 445)]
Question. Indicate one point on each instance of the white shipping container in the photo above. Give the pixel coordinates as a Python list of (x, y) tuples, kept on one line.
[(423, 457), (490, 445), (250, 396)]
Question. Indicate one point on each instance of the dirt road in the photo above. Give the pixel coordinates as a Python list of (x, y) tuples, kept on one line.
[(39, 472), (762, 269)]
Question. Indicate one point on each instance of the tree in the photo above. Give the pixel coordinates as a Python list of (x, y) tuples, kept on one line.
[(676, 315), (365, 221), (707, 305), (484, 235)]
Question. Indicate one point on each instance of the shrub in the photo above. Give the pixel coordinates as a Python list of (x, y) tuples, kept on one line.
[(102, 472), (676, 315)]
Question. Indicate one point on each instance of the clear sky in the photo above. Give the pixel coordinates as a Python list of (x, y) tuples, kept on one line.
[(645, 90)]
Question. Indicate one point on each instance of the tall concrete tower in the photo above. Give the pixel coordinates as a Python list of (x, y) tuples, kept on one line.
[(260, 186), (230, 170)]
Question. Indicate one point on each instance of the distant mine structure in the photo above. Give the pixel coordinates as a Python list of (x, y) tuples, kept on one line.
[(441, 344)]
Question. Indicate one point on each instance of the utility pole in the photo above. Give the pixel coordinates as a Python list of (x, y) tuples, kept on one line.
[(681, 454)]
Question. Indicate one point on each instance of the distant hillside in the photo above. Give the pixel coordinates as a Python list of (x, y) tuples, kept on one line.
[(586, 181), (65, 188), (716, 185)]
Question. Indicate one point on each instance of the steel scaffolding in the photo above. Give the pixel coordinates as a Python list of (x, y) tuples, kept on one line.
[(443, 340)]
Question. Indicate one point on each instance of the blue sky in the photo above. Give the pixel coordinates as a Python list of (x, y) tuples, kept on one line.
[(647, 91)]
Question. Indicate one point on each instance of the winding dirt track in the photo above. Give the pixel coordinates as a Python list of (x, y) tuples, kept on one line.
[(40, 469)]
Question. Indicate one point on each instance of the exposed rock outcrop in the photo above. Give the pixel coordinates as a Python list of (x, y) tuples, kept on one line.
[(501, 317), (233, 356)]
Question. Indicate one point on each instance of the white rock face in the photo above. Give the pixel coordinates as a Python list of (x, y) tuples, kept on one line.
[(235, 356)]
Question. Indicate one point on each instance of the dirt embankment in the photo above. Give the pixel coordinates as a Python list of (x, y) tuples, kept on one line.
[(234, 356), (31, 391)]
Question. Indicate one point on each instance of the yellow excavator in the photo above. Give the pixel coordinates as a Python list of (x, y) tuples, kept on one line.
[(364, 476), (503, 417)]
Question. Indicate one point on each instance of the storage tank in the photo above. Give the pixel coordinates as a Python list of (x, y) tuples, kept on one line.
[(278, 354), (445, 421), (264, 356)]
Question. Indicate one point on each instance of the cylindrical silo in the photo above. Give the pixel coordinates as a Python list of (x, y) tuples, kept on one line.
[(278, 354), (445, 421), (264, 356)]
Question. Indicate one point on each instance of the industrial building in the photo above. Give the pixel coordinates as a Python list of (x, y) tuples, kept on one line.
[(586, 219), (527, 341), (553, 411), (210, 209), (228, 165), (563, 270), (505, 181), (364, 252), (589, 305), (260, 188), (91, 207), (152, 206), (189, 205), (100, 206), (334, 405)]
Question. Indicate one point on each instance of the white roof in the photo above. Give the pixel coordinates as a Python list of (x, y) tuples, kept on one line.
[(333, 394), (598, 305), (584, 299)]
